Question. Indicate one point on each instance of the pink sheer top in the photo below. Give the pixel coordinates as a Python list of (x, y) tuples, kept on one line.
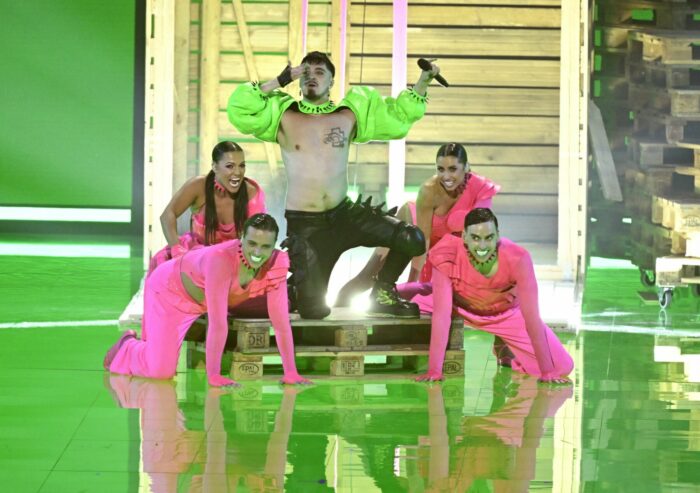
[(479, 192), (215, 270), (513, 286), (227, 232)]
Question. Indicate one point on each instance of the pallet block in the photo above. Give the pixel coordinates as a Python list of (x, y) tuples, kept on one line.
[(661, 76), (669, 47), (677, 271), (648, 153)]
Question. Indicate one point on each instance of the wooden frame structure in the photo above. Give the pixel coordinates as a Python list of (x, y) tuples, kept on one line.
[(167, 82)]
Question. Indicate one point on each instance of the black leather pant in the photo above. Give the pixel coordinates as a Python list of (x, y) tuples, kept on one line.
[(317, 239)]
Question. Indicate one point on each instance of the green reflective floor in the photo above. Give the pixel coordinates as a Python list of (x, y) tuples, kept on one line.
[(630, 423)]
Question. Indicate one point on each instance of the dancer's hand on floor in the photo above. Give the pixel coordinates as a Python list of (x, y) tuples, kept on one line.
[(553, 379), (295, 379), (221, 381), (430, 377)]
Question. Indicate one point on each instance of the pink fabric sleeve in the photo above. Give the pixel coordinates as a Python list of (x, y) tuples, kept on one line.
[(218, 277), (257, 204), (526, 283), (484, 203), (278, 311), (441, 321)]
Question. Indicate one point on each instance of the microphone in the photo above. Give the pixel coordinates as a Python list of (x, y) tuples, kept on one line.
[(425, 65)]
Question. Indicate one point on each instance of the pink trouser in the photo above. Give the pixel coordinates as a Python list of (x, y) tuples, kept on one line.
[(508, 325), (168, 314)]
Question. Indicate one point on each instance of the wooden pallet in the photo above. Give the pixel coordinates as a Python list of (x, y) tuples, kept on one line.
[(669, 47), (681, 214), (661, 76), (662, 127), (648, 14), (337, 344), (647, 153), (662, 241), (676, 271), (680, 103)]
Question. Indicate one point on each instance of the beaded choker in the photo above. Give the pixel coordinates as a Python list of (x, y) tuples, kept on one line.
[(244, 260), (308, 108), (462, 186), (485, 266), (220, 188)]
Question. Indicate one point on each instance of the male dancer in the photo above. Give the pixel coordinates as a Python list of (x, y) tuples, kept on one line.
[(315, 135), (490, 282)]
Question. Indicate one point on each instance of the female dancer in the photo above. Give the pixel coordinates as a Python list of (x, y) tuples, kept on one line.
[(220, 201), (443, 202), (233, 274)]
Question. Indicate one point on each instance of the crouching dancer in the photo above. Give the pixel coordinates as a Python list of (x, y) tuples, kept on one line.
[(232, 274), (489, 282)]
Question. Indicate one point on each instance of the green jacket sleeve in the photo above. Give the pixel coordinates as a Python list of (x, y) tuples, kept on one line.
[(254, 113), (380, 118)]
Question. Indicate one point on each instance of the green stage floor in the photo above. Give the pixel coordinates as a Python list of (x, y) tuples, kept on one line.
[(630, 423)]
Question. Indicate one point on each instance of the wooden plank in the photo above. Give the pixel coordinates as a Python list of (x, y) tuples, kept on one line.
[(268, 12), (209, 83), (272, 38), (604, 162), (458, 41), (463, 71), (462, 15), (487, 129)]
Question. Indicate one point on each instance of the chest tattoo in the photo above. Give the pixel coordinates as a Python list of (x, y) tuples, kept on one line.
[(336, 137)]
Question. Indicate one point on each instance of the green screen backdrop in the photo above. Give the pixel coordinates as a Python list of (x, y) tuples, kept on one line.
[(66, 102)]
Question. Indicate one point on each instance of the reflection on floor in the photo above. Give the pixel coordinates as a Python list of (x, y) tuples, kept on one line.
[(630, 423)]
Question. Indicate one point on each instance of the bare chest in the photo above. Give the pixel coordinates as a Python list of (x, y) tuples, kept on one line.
[(329, 132)]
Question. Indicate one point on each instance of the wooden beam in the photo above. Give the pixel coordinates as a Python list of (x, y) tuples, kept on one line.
[(182, 53), (209, 77), (297, 38), (573, 139), (159, 119), (252, 70), (339, 30), (602, 155)]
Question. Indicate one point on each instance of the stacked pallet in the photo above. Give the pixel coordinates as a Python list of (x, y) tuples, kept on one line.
[(663, 71), (644, 83), (648, 87)]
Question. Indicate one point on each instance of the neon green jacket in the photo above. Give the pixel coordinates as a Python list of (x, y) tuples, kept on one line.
[(378, 118)]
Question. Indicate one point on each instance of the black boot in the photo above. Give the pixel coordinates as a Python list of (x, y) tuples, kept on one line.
[(385, 300)]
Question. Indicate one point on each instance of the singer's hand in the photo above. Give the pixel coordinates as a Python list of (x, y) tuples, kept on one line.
[(425, 77), (434, 69)]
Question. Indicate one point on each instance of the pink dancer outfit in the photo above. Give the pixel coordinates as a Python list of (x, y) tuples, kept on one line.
[(169, 311), (195, 237), (505, 305), (479, 192)]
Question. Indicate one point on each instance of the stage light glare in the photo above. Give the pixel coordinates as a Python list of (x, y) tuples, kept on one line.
[(360, 303)]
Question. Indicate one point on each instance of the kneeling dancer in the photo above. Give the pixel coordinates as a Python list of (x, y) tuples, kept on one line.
[(490, 282), (234, 274)]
